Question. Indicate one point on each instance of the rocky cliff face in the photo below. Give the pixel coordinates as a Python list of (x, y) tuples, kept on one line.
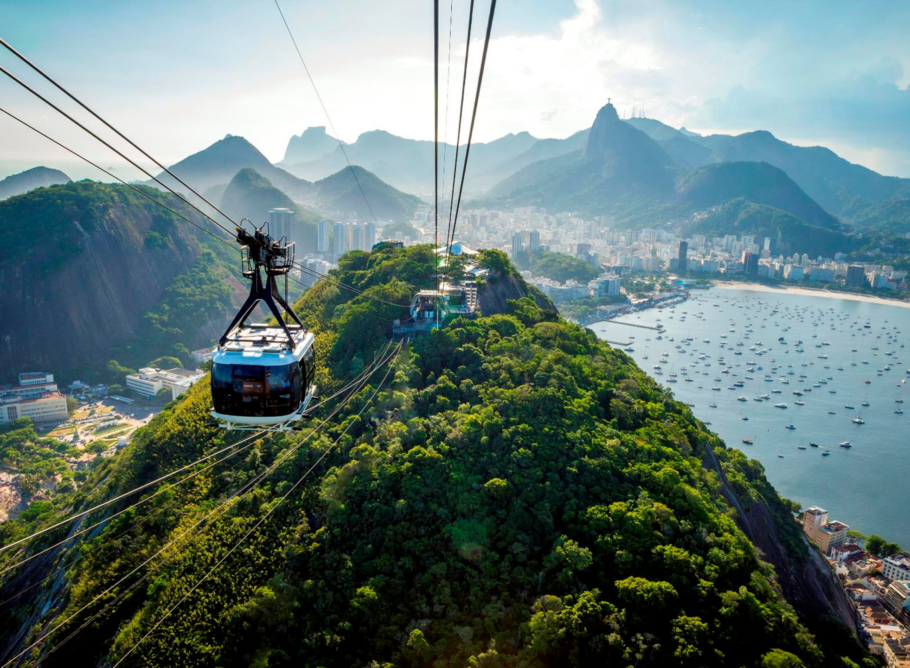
[(494, 296), (807, 583), (98, 258)]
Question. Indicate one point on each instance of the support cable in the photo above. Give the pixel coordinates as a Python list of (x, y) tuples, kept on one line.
[(75, 99), (467, 153), (192, 530), (464, 81), (259, 523)]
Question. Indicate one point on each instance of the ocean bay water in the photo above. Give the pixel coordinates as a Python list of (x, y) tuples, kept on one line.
[(720, 337)]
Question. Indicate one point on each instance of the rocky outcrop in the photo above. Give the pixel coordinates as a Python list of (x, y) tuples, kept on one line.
[(495, 294)]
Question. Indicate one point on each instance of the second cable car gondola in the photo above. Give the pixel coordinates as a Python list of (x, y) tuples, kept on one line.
[(262, 374)]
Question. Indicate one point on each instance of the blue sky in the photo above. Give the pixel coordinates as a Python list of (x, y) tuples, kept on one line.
[(177, 76)]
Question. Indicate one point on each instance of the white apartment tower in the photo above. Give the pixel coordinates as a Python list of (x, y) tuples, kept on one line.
[(322, 237), (282, 223), (534, 242), (339, 239)]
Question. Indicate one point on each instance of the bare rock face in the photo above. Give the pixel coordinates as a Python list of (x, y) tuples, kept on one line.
[(91, 261), (494, 296)]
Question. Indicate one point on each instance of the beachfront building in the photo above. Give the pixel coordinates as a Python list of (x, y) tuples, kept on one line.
[(897, 653), (897, 566), (820, 531)]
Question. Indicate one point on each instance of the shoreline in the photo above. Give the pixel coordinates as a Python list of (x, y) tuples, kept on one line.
[(807, 292)]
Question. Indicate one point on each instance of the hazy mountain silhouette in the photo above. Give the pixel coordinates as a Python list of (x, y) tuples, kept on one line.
[(218, 164), (756, 182), (312, 144), (36, 177), (403, 163), (629, 174), (339, 195), (826, 177), (251, 195)]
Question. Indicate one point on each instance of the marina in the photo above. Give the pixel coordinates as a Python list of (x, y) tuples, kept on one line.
[(843, 442)]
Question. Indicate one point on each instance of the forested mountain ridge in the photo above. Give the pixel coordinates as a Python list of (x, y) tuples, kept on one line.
[(36, 177), (642, 172), (250, 195), (756, 182), (103, 265), (518, 494)]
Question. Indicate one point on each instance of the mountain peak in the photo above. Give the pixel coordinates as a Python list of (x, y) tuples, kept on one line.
[(312, 144), (606, 114), (36, 177)]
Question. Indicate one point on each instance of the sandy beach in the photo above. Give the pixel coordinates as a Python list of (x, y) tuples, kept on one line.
[(789, 289)]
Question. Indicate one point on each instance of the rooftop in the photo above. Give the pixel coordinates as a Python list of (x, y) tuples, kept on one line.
[(31, 400), (835, 527), (901, 560), (262, 338)]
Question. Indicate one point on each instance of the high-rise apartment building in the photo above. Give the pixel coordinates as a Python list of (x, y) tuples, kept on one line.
[(856, 274), (683, 257), (517, 246), (282, 224), (322, 236), (750, 263), (368, 235), (534, 242), (339, 239), (356, 236)]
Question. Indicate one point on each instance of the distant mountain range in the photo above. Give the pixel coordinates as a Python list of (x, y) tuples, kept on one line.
[(311, 144), (214, 173), (37, 177), (520, 168), (827, 178), (221, 161), (641, 172), (403, 163)]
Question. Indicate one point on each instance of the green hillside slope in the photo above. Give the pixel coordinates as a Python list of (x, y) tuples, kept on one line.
[(517, 494), (757, 182)]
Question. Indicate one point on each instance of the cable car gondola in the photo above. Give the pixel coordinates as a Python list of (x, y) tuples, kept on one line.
[(263, 375)]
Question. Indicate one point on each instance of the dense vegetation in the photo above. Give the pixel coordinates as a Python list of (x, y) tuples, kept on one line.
[(35, 460), (518, 494), (561, 267)]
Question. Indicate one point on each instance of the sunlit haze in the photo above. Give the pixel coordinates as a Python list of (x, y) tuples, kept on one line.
[(177, 76)]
